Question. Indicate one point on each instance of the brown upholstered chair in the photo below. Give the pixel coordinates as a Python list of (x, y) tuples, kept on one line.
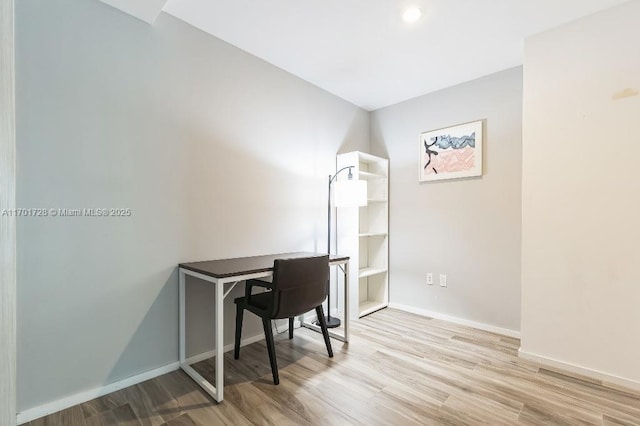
[(299, 285)]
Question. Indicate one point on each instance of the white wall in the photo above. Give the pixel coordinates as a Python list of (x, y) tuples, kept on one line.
[(468, 229), (217, 153), (7, 223), (581, 197)]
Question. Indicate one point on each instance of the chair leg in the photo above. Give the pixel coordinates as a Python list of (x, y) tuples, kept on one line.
[(290, 327), (268, 334), (239, 315), (325, 332)]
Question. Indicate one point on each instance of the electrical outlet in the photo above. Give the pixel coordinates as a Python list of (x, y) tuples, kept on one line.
[(443, 280), (429, 278)]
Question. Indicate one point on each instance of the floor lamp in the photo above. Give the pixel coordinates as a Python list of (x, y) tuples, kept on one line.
[(349, 193)]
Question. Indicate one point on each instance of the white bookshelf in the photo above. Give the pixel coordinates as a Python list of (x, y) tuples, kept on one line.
[(363, 234)]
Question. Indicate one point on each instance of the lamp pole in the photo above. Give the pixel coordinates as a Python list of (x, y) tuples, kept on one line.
[(332, 322)]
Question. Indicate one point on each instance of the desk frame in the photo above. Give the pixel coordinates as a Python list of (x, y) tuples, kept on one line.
[(217, 390)]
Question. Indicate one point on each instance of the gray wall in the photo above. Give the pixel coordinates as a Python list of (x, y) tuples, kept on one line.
[(468, 229), (217, 153)]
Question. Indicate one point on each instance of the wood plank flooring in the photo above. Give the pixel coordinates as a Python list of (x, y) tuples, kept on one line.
[(398, 369)]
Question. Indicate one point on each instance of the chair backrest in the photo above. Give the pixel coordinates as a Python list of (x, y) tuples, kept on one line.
[(299, 285)]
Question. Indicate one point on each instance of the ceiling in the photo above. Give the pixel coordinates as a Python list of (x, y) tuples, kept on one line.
[(362, 50)]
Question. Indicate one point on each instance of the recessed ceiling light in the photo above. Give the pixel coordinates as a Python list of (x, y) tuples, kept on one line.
[(412, 14)]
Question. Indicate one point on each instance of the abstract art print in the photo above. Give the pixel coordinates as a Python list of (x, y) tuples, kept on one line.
[(453, 152)]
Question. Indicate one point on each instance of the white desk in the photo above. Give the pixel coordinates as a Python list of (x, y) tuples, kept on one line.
[(233, 271)]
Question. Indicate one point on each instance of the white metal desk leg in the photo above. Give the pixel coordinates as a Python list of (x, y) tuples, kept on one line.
[(346, 300), (219, 340), (182, 331)]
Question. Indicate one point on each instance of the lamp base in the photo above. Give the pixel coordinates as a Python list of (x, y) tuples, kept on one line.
[(332, 322)]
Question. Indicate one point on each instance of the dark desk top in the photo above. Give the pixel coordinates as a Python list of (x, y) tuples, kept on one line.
[(224, 268)]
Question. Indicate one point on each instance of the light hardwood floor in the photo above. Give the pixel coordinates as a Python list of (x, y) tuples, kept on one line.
[(398, 369)]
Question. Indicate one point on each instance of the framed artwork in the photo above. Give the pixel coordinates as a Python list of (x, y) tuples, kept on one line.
[(452, 152)]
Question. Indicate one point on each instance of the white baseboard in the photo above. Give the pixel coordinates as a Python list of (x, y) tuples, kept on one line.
[(81, 397), (576, 369), (456, 320), (542, 360)]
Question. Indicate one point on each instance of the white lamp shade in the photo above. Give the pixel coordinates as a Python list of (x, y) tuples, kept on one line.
[(350, 193)]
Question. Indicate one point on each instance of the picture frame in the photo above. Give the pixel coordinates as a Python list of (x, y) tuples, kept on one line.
[(451, 152)]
